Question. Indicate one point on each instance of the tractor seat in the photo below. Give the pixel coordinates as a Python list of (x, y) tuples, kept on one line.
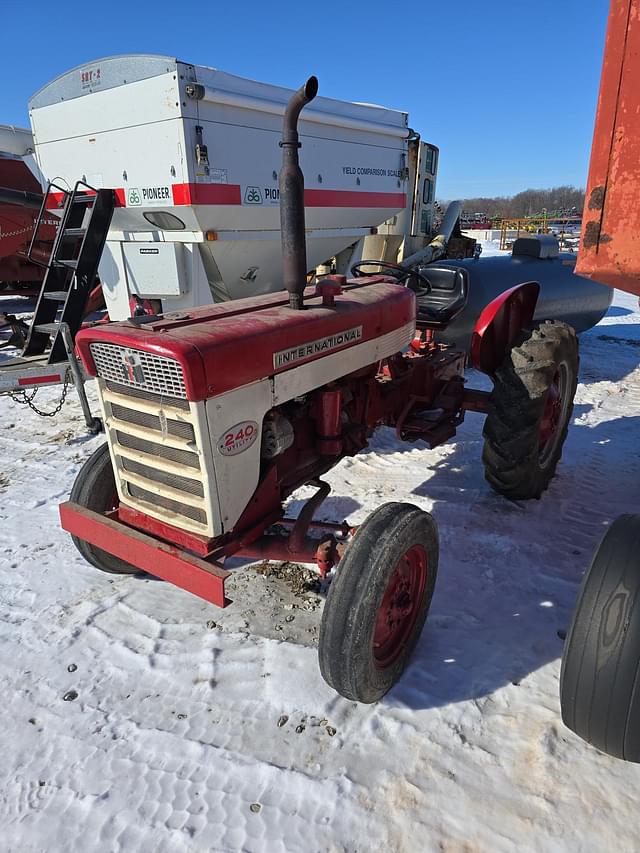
[(447, 297)]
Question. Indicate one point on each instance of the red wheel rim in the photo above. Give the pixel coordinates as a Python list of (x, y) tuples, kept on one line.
[(554, 414), (400, 606), (552, 409)]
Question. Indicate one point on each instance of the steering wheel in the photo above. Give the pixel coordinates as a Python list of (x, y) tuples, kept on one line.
[(402, 274)]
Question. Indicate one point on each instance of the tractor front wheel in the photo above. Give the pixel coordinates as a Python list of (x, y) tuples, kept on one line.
[(378, 602), (531, 406), (95, 489)]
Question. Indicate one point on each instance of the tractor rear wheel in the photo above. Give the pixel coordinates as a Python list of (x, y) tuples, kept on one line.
[(600, 675), (95, 489), (378, 602), (531, 406)]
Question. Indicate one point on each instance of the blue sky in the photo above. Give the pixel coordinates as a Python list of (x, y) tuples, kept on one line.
[(507, 90)]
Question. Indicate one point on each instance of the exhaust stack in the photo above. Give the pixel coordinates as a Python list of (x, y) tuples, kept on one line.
[(291, 183)]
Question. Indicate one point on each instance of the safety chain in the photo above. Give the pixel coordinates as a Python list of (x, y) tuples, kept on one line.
[(27, 400), (17, 233)]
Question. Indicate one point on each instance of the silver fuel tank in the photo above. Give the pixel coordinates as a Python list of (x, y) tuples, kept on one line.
[(565, 296)]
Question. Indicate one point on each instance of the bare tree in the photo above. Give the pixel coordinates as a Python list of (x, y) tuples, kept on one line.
[(559, 201)]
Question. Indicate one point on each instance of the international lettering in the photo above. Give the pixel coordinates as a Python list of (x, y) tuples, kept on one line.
[(319, 347)]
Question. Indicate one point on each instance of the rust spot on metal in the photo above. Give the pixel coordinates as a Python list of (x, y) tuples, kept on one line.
[(591, 235), (596, 199), (609, 249)]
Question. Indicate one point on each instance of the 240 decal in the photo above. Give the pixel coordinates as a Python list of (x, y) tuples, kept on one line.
[(238, 438)]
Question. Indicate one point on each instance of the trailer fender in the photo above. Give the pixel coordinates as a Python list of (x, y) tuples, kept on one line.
[(499, 324)]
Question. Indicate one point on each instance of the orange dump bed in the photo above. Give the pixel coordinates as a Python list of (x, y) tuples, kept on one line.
[(610, 244)]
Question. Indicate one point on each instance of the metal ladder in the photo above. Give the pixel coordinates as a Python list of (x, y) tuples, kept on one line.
[(72, 268)]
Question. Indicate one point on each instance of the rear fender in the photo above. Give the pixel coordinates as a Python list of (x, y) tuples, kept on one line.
[(500, 323)]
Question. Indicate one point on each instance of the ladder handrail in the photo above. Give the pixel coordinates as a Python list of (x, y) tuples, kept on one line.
[(70, 199), (86, 218), (41, 216)]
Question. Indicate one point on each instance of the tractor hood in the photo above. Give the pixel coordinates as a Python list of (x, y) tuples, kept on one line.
[(217, 348)]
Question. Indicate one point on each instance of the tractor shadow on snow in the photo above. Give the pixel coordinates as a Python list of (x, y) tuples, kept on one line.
[(333, 508), (509, 571), (619, 311), (619, 343)]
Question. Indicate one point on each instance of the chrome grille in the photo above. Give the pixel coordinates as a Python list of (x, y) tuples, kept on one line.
[(175, 481), (144, 419), (130, 391), (158, 463), (156, 373), (166, 503), (182, 457)]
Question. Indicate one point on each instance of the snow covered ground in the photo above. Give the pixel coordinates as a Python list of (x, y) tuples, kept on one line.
[(139, 718)]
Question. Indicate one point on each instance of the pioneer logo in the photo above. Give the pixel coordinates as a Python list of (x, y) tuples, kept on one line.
[(137, 196)]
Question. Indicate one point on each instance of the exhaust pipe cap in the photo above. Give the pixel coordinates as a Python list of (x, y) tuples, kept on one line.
[(311, 88)]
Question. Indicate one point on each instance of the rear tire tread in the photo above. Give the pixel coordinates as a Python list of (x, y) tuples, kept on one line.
[(511, 430), (600, 673)]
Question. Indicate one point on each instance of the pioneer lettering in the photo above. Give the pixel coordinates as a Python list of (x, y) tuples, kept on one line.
[(156, 193)]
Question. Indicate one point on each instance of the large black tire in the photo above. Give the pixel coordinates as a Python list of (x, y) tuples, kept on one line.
[(530, 410), (600, 675), (378, 602), (95, 489)]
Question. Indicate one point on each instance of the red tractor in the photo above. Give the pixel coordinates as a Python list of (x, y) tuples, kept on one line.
[(215, 416)]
